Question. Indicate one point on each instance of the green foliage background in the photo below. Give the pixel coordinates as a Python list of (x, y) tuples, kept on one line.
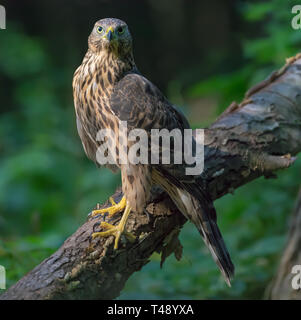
[(47, 186)]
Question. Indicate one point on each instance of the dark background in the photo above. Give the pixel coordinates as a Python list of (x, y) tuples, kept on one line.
[(202, 55)]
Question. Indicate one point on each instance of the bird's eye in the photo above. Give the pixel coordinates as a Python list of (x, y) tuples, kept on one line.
[(120, 30), (99, 29)]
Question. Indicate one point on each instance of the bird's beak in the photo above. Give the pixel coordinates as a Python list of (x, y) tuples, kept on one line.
[(109, 34)]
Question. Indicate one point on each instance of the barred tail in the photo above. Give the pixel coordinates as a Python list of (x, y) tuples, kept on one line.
[(205, 221), (198, 208)]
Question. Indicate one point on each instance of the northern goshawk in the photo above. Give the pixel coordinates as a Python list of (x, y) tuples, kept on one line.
[(108, 89)]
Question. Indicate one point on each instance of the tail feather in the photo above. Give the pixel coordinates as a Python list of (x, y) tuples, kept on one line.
[(204, 217), (198, 208), (215, 243)]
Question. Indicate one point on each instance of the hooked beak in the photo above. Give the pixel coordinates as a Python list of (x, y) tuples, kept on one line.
[(109, 34)]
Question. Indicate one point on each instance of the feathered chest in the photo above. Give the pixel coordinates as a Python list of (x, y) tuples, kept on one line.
[(93, 84)]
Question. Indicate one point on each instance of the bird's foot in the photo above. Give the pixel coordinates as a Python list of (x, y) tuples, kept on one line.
[(116, 231), (110, 211)]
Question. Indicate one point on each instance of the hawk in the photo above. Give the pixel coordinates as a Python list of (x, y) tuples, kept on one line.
[(107, 89)]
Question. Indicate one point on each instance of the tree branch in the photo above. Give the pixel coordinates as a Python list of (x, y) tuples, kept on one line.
[(249, 140)]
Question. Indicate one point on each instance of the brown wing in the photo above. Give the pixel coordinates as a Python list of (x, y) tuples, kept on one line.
[(138, 102), (142, 105)]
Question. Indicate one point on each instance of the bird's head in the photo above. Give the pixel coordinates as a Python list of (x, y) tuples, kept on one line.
[(111, 35)]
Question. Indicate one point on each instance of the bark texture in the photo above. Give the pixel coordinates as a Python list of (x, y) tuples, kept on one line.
[(281, 288), (249, 140)]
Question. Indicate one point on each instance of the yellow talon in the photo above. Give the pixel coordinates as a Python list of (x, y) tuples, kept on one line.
[(115, 208), (118, 230), (111, 199)]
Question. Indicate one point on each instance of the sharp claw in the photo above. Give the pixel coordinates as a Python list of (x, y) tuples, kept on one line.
[(97, 224), (105, 215), (90, 215), (110, 228), (102, 216), (97, 216), (97, 208)]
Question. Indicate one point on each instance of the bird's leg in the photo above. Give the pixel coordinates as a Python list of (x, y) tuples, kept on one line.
[(116, 230), (115, 208)]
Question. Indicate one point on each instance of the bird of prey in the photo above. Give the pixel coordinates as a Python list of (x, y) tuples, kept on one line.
[(107, 89)]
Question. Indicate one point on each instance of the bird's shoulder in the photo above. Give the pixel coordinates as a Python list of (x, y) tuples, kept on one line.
[(135, 81), (137, 99)]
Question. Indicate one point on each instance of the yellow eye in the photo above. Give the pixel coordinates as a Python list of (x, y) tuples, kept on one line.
[(120, 30), (99, 29)]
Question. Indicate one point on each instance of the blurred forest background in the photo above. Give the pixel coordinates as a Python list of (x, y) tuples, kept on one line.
[(202, 55)]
